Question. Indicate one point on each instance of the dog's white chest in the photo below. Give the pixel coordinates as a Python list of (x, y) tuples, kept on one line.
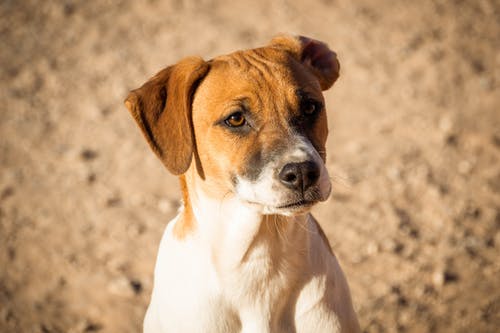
[(193, 294)]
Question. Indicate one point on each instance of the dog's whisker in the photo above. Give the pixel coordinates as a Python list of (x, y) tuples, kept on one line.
[(341, 180), (268, 227), (276, 226), (306, 229)]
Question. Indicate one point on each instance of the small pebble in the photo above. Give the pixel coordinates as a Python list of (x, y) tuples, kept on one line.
[(445, 124), (372, 248), (136, 286), (464, 167), (438, 279), (121, 287), (165, 205), (88, 154)]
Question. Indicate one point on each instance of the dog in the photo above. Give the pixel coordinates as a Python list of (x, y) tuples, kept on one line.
[(246, 134)]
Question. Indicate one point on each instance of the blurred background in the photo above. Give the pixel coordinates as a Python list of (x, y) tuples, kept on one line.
[(414, 150)]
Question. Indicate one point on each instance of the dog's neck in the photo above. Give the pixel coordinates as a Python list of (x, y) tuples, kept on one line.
[(236, 232)]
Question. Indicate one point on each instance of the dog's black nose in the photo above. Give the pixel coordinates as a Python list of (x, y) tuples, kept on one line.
[(299, 176)]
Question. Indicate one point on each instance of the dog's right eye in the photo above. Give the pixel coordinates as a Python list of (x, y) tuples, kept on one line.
[(311, 107), (235, 120)]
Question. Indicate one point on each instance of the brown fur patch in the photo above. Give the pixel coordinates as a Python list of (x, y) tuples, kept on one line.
[(186, 223), (162, 109)]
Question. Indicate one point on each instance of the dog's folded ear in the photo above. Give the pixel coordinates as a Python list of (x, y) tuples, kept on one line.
[(162, 109), (315, 55)]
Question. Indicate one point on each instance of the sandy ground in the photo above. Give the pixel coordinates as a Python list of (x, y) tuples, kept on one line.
[(414, 150)]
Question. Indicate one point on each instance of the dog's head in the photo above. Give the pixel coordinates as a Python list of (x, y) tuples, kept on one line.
[(251, 124)]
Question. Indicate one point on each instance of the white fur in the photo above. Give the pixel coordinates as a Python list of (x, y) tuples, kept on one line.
[(267, 192), (235, 273)]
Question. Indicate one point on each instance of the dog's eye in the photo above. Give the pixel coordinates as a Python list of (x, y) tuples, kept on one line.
[(235, 120), (311, 107)]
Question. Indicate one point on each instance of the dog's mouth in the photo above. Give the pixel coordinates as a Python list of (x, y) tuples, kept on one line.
[(297, 204), (289, 208)]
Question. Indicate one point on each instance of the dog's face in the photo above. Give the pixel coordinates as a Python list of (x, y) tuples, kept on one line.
[(260, 127), (254, 120)]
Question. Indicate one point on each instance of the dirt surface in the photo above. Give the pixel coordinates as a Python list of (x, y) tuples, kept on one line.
[(414, 150)]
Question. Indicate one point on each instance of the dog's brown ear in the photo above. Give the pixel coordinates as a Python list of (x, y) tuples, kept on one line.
[(162, 109), (314, 54)]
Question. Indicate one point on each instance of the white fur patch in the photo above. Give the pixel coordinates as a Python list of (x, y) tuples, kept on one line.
[(268, 192)]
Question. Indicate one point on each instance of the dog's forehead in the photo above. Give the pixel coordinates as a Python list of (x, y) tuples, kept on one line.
[(257, 73), (263, 59)]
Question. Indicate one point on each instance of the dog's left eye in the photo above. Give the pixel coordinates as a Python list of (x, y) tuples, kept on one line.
[(311, 107), (235, 120)]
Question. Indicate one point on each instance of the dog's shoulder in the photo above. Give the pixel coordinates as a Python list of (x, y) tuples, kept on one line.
[(318, 308)]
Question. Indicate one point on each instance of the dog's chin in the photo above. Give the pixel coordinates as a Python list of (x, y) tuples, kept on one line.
[(288, 208), (290, 204), (294, 208)]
